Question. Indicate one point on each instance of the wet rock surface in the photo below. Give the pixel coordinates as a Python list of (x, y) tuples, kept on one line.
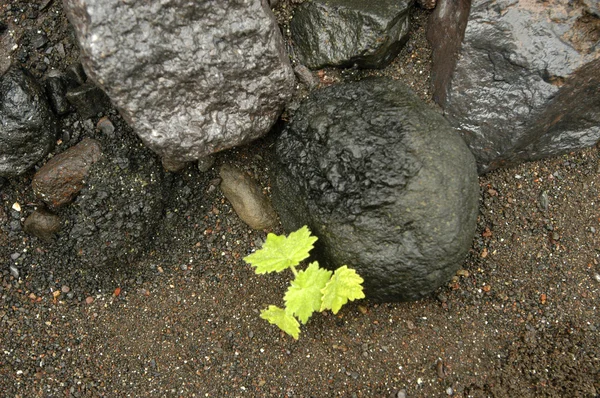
[(42, 224), (247, 198), (62, 177), (348, 33), (527, 82), (56, 88), (187, 86), (383, 181), (27, 125)]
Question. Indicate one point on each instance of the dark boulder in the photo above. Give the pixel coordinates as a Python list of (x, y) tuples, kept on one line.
[(368, 34), (524, 84), (384, 182), (27, 125), (191, 77)]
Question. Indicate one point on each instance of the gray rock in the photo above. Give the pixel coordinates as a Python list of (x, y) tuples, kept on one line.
[(206, 163), (27, 125), (384, 182), (525, 84), (345, 33), (62, 177), (306, 76), (247, 199), (106, 127), (191, 78), (42, 224), (593, 7)]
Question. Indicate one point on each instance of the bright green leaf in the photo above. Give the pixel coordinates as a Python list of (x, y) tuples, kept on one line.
[(280, 252), (279, 317), (345, 284), (303, 297)]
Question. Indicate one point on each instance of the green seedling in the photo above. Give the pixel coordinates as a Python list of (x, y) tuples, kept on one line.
[(313, 289)]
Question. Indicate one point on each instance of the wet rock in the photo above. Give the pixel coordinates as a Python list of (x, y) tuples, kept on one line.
[(186, 85), (42, 224), (118, 211), (88, 99), (205, 163), (61, 179), (106, 127), (56, 88), (75, 75), (39, 40), (384, 182), (306, 76), (527, 82), (7, 43), (27, 125), (347, 33), (247, 199), (593, 7)]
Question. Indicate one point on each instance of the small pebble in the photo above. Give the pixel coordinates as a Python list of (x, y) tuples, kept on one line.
[(205, 163), (89, 300), (15, 256), (401, 394), (544, 200), (183, 267), (14, 271), (106, 127), (449, 391), (597, 277), (65, 289)]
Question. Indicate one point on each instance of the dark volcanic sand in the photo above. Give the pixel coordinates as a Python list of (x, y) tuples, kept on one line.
[(519, 320)]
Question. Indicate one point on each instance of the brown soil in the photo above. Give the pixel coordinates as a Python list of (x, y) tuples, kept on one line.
[(520, 319)]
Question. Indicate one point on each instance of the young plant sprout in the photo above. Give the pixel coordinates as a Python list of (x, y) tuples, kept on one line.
[(313, 289)]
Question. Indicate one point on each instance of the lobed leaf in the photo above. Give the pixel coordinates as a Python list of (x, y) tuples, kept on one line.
[(280, 252), (303, 297), (281, 318), (345, 284)]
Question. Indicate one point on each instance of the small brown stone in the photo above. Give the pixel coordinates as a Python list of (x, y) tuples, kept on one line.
[(60, 180), (43, 224), (247, 199)]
